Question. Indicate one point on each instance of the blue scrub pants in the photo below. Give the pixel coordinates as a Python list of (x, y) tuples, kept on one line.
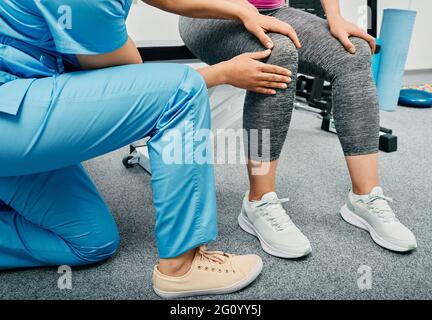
[(52, 213)]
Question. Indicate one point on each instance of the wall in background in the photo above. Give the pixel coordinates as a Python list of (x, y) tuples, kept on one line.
[(420, 54), (146, 23), (149, 25)]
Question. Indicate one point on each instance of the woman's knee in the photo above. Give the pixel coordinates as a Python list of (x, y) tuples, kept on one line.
[(284, 53), (350, 64)]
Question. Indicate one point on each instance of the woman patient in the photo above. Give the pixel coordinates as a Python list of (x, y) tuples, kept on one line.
[(335, 50)]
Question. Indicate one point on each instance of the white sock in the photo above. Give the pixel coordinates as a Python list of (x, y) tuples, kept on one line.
[(357, 197)]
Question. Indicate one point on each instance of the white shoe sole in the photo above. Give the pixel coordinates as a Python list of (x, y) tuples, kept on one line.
[(247, 226), (232, 288), (361, 223)]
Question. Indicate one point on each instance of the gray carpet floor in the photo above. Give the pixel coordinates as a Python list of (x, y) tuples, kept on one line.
[(313, 175)]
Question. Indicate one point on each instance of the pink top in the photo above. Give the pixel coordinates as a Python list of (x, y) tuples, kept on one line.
[(267, 4)]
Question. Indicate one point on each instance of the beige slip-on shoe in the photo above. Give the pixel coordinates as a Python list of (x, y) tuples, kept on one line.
[(212, 272)]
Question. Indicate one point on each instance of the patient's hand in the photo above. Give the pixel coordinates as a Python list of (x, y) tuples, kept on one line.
[(342, 29), (248, 72)]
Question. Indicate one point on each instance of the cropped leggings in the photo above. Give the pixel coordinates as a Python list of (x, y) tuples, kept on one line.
[(355, 101)]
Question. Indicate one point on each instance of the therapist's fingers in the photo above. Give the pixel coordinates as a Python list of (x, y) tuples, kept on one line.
[(284, 28), (259, 55), (272, 85), (268, 68), (259, 32), (365, 36), (273, 69), (274, 78), (345, 41), (263, 90)]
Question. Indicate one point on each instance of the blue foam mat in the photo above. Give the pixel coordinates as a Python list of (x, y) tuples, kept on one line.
[(415, 98), (395, 37)]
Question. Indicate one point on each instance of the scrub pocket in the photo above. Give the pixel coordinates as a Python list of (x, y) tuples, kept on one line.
[(12, 94), (18, 70), (25, 65)]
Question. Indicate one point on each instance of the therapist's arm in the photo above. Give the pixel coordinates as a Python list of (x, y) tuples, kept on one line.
[(216, 9), (128, 54), (247, 71), (255, 23), (244, 71)]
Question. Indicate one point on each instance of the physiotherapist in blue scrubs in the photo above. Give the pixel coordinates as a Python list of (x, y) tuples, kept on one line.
[(73, 87)]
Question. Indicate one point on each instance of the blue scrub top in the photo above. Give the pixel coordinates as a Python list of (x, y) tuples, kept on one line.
[(38, 36)]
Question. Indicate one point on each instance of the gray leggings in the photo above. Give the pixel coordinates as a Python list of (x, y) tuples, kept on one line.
[(355, 100)]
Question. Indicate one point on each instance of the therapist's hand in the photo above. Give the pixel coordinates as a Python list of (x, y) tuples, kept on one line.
[(246, 4), (259, 25), (246, 71)]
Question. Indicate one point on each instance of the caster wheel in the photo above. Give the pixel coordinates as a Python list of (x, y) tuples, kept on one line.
[(126, 163)]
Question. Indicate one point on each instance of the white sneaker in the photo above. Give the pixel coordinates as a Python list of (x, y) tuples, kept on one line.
[(268, 221), (374, 214)]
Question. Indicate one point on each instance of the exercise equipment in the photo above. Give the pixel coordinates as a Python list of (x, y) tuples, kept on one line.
[(316, 94), (376, 60), (395, 37), (415, 98)]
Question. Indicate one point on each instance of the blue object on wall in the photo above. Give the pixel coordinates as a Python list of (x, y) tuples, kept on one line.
[(415, 98), (395, 36)]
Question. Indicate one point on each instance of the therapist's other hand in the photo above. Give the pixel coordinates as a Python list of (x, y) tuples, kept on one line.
[(246, 4), (259, 25), (342, 29), (246, 71)]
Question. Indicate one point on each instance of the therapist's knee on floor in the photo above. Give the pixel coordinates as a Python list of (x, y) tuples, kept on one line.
[(100, 242)]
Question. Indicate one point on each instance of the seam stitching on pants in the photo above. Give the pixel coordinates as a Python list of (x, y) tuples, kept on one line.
[(198, 219)]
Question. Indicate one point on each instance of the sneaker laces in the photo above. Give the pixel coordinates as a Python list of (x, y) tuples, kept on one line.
[(214, 260), (273, 212), (379, 205)]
